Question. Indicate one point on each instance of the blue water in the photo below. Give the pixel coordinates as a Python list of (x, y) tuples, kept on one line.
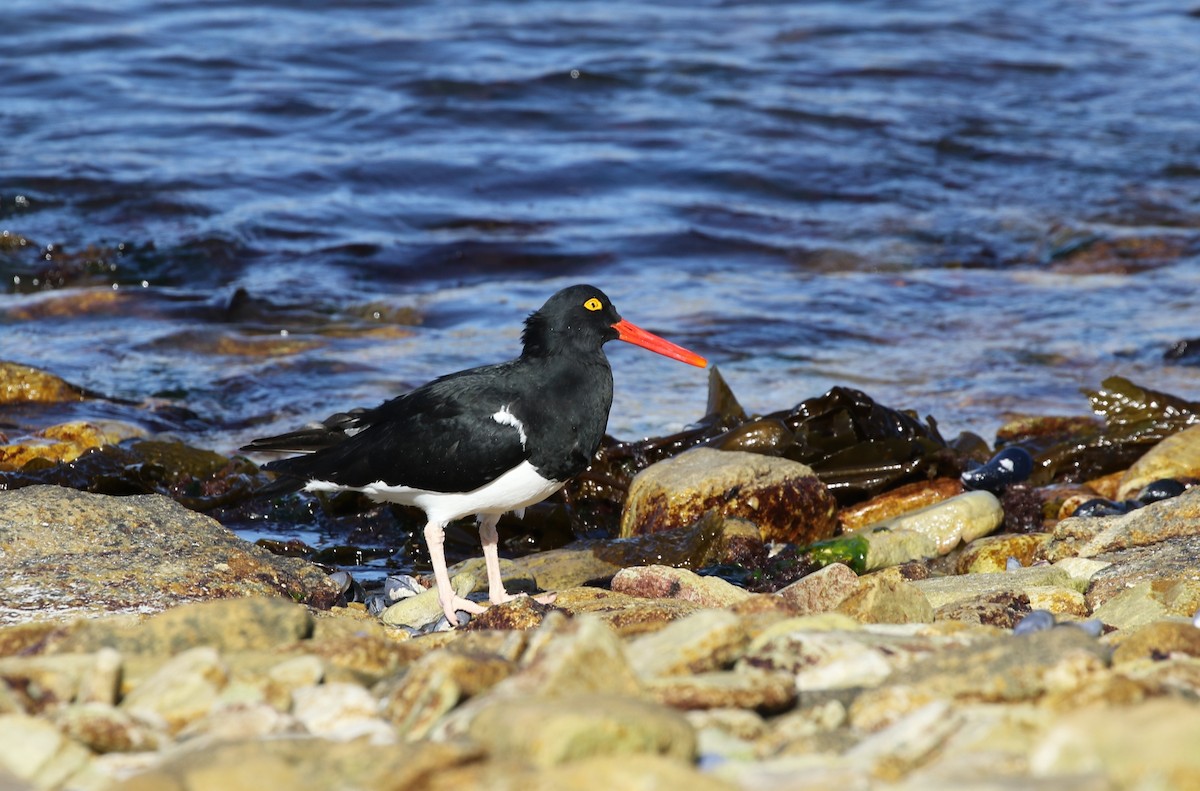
[(879, 194)]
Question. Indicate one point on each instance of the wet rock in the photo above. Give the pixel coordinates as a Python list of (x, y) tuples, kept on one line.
[(654, 582), (65, 442), (992, 553), (1159, 640), (23, 383), (904, 499), (758, 691), (72, 553), (1177, 456), (707, 640), (884, 599), (821, 591), (784, 498)]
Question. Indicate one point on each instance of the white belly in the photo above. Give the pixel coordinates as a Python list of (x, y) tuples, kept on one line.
[(519, 487)]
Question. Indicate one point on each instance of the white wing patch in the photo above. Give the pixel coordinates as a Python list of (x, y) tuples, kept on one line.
[(506, 418)]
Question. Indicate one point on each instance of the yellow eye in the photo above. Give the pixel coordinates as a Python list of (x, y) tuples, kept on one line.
[(593, 304)]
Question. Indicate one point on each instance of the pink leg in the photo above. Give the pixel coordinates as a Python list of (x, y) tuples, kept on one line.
[(491, 559), (435, 537)]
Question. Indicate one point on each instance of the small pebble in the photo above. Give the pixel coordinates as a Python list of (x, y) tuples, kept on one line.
[(1196, 619), (1009, 466), (1036, 621), (1012, 564)]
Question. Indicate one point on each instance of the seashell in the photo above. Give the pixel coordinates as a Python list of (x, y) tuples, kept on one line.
[(1009, 466), (1101, 507), (1035, 621), (401, 586), (1162, 489)]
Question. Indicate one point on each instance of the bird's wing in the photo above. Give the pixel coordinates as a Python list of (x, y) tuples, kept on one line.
[(452, 435)]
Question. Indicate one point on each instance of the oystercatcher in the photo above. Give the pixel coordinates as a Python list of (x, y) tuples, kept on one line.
[(482, 441)]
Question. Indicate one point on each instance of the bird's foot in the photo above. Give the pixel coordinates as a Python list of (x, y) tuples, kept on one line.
[(456, 604), (501, 597)]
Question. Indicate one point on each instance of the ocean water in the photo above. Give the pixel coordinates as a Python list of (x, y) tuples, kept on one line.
[(263, 212)]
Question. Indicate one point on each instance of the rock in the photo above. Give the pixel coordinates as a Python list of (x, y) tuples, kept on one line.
[(707, 640), (248, 624), (434, 685), (598, 773), (894, 751), (23, 383), (626, 615), (784, 498), (1005, 669), (882, 599), (1177, 456), (1150, 745), (831, 660), (103, 728), (1001, 609), (991, 553), (41, 683), (70, 553), (304, 764), (959, 519), (548, 732), (656, 582), (65, 442), (342, 712), (1159, 640), (1088, 537), (35, 751), (712, 539), (821, 591), (182, 690), (946, 590), (1164, 571), (768, 693), (422, 610), (901, 500)]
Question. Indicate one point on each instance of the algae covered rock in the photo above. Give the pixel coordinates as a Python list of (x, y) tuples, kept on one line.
[(784, 498)]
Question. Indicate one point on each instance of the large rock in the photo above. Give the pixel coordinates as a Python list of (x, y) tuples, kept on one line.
[(1091, 536), (1177, 456), (784, 498), (67, 553), (22, 383)]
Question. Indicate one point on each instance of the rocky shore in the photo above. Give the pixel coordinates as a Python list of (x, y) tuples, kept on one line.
[(748, 632)]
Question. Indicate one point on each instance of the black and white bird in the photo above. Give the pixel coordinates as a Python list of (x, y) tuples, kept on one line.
[(482, 441)]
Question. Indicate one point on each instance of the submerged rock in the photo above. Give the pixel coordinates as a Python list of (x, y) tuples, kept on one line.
[(22, 383)]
